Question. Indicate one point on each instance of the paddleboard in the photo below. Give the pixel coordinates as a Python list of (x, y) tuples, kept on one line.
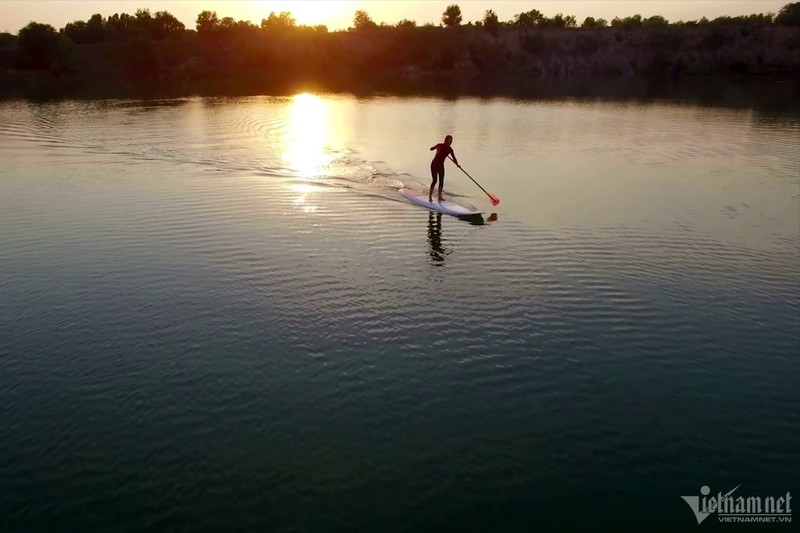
[(448, 207)]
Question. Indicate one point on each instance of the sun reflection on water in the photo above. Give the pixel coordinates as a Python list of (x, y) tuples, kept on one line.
[(308, 133), (306, 195)]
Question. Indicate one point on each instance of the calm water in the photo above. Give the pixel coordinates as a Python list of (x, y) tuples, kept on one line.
[(219, 314)]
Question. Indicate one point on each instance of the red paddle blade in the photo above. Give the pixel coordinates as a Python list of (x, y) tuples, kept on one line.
[(494, 199)]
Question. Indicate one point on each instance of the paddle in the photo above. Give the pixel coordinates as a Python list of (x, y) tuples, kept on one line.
[(494, 199)]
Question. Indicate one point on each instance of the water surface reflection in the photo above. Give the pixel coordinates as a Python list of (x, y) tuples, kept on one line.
[(437, 250)]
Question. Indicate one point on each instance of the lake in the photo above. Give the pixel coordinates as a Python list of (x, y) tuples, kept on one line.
[(220, 314)]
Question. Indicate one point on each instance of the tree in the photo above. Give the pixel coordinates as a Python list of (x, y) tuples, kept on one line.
[(76, 31), (451, 16), (9, 54), (491, 22), (283, 21), (529, 18), (632, 22), (227, 26), (142, 59), (120, 26), (789, 15), (628, 22), (570, 21), (92, 31), (207, 23), (362, 21), (144, 21), (6, 39), (96, 28), (405, 23), (591, 22), (762, 19), (165, 24), (656, 21), (45, 49)]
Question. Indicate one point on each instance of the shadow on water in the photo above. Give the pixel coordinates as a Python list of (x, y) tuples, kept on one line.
[(478, 220)]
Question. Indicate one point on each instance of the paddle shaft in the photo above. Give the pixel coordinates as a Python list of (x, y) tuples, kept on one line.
[(473, 179)]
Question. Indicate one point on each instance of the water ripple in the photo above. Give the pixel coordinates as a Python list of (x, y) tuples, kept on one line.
[(193, 323)]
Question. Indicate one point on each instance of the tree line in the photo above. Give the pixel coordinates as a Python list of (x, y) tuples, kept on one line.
[(452, 17), (157, 46), (535, 19), (162, 24)]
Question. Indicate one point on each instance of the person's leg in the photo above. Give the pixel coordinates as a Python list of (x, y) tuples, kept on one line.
[(441, 183), (433, 183)]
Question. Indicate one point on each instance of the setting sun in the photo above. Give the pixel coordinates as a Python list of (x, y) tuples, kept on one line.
[(311, 12)]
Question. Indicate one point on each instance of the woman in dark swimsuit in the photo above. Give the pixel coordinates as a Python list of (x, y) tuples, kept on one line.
[(437, 165)]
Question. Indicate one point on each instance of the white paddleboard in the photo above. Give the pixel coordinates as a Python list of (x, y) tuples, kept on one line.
[(448, 207)]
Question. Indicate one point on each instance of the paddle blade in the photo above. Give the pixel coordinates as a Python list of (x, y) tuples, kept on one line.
[(494, 199)]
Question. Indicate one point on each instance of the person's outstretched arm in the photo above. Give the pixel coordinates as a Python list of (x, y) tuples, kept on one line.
[(455, 159)]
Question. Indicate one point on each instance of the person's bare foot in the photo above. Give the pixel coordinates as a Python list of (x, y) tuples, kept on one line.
[(430, 199), (441, 199)]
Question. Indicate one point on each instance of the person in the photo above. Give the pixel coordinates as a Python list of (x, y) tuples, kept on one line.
[(437, 165)]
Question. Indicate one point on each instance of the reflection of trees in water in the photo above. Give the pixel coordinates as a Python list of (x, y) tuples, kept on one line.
[(437, 252)]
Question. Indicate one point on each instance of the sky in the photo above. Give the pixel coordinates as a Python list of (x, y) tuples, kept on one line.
[(14, 14)]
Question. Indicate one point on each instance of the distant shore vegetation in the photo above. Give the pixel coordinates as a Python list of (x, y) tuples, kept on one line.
[(108, 55)]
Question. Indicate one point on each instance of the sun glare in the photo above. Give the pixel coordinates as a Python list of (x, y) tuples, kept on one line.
[(305, 200), (307, 136), (310, 12)]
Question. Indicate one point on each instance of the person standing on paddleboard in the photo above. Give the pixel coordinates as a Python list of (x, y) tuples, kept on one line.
[(437, 165)]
